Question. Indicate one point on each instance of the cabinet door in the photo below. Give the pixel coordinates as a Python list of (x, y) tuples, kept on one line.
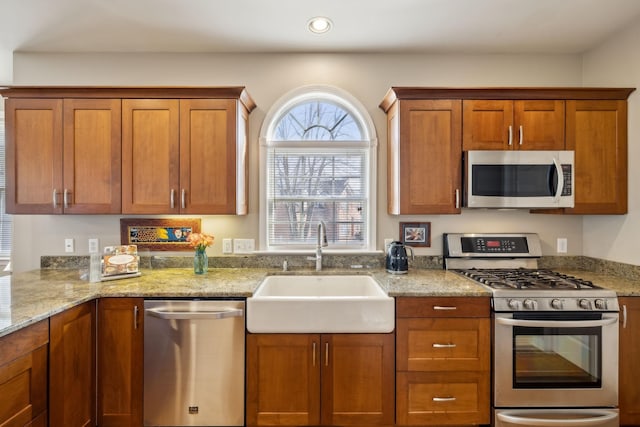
[(23, 376), (208, 156), (538, 125), (358, 379), (487, 125), (283, 379), (424, 158), (629, 369), (120, 362), (72, 367), (92, 145), (34, 156), (597, 132), (150, 156)]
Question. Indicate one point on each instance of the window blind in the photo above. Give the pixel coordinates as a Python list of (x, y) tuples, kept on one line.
[(5, 219)]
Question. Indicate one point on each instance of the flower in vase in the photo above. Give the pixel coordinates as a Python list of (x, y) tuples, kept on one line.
[(200, 241)]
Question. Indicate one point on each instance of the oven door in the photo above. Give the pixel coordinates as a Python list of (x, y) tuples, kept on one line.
[(556, 417), (566, 359)]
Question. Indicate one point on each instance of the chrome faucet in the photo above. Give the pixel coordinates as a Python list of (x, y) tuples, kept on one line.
[(322, 242)]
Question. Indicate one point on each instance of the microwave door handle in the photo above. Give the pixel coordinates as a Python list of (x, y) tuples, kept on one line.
[(560, 179), (557, 323)]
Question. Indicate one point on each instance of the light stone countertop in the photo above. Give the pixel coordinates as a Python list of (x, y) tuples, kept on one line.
[(26, 298)]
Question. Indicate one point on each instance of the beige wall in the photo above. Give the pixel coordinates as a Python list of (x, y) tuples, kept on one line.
[(269, 76), (617, 63)]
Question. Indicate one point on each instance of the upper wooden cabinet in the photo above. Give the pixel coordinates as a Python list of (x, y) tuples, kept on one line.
[(597, 133), (427, 131), (424, 152), (63, 156), (127, 150), (184, 156), (513, 125)]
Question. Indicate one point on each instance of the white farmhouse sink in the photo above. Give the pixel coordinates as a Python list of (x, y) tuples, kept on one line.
[(322, 303)]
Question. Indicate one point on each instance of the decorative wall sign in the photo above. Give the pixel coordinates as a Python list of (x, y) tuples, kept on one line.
[(416, 234), (158, 234)]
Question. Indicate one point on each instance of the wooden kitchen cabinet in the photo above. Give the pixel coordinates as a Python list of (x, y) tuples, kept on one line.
[(63, 155), (120, 362), (313, 379), (423, 156), (186, 156), (72, 372), (443, 361), (23, 376), (597, 132), (629, 370), (490, 124)]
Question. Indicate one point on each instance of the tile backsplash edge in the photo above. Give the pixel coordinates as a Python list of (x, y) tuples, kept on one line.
[(365, 262)]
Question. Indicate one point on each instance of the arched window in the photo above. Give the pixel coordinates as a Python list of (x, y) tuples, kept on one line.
[(318, 157)]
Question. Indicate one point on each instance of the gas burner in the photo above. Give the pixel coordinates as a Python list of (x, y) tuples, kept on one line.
[(527, 279)]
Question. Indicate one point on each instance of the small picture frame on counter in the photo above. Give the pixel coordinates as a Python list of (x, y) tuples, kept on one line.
[(416, 234)]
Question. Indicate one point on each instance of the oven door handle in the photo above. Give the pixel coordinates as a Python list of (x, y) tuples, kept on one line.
[(557, 323), (600, 419)]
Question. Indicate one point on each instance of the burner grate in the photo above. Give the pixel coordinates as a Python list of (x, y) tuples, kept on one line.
[(527, 279)]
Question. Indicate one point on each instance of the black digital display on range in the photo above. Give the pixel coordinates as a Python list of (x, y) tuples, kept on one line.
[(512, 244)]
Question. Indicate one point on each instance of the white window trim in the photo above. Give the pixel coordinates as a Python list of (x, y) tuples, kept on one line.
[(296, 96)]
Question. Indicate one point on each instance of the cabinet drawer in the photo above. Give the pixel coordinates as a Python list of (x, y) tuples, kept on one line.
[(443, 398), (443, 344), (443, 307)]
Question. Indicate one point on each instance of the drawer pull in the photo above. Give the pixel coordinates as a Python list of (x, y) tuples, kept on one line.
[(436, 345), (444, 307), (444, 399)]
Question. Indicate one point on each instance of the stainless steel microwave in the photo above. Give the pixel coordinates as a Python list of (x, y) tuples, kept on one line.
[(519, 179)]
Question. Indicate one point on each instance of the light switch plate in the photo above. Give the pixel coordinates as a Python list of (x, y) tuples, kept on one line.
[(94, 246), (243, 246), (561, 244)]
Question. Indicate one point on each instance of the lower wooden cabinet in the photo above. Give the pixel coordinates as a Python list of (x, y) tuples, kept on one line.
[(629, 369), (120, 362), (23, 376), (443, 361), (313, 379), (72, 372)]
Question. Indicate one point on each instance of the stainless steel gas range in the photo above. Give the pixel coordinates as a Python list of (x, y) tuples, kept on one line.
[(555, 337)]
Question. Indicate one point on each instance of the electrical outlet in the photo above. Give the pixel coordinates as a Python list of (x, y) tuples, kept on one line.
[(227, 246), (94, 246), (243, 246), (561, 245), (69, 246)]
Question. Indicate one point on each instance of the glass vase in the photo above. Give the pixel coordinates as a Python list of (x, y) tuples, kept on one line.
[(200, 261)]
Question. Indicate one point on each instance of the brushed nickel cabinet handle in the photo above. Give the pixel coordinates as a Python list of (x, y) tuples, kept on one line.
[(521, 134), (510, 135), (444, 399), (457, 198), (326, 354), (183, 199), (172, 198), (55, 198), (65, 198), (313, 350), (135, 316), (624, 316), (444, 307), (450, 345)]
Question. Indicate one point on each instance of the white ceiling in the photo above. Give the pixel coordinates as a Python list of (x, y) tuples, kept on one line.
[(430, 26)]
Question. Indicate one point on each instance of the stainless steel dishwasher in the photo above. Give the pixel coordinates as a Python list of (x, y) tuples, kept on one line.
[(194, 363)]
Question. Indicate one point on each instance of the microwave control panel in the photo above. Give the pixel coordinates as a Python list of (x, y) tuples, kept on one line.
[(566, 175)]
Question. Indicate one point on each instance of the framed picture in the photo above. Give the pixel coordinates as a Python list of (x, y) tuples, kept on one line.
[(158, 234), (416, 234)]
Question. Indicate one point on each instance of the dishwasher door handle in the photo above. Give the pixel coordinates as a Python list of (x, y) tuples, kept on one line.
[(194, 315)]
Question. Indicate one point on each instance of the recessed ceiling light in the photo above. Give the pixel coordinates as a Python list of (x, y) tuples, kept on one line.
[(319, 25)]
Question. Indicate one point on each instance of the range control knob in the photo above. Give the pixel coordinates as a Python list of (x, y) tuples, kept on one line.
[(556, 304), (600, 304), (584, 303), (530, 304), (514, 304)]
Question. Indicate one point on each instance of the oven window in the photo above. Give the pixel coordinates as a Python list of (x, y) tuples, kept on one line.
[(557, 357)]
